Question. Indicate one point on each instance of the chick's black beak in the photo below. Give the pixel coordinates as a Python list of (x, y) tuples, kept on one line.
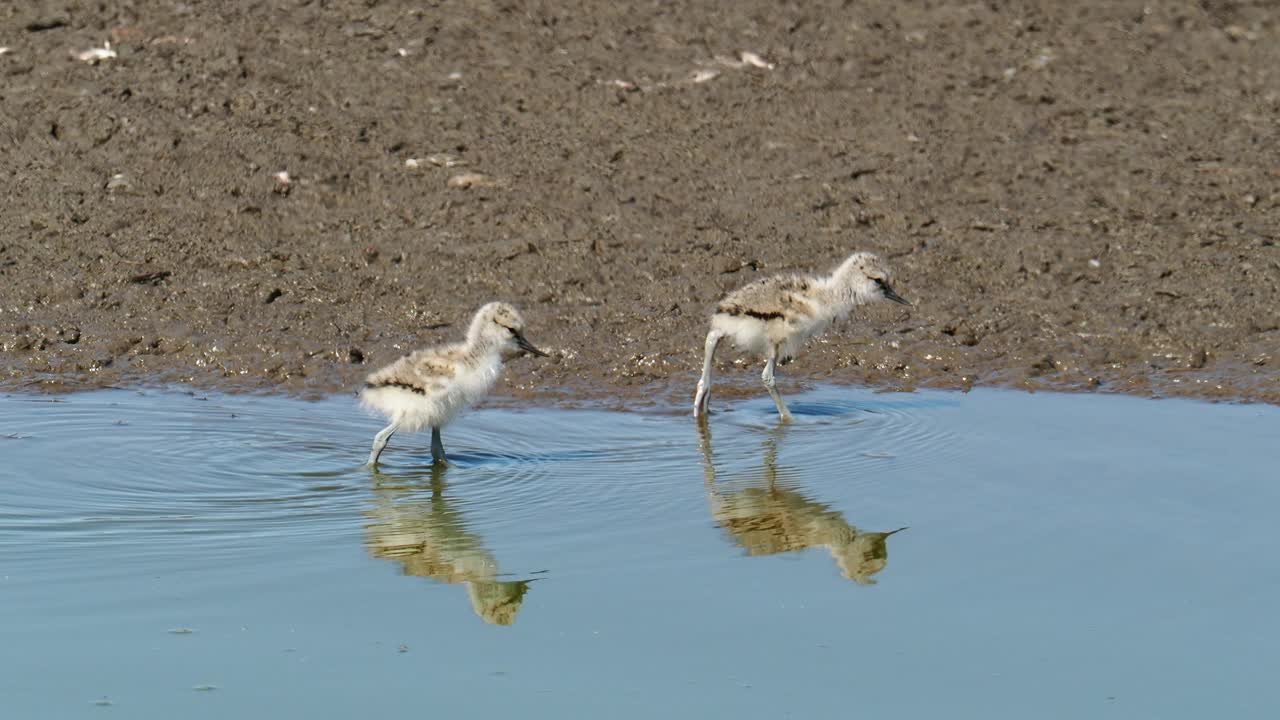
[(889, 294), (524, 344)]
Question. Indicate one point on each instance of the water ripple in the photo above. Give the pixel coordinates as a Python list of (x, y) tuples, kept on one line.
[(134, 468), (857, 438), (146, 474)]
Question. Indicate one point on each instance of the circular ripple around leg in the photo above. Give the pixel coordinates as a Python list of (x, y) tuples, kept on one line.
[(855, 436)]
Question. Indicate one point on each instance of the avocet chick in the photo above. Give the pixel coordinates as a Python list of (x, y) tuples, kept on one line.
[(772, 317), (430, 387)]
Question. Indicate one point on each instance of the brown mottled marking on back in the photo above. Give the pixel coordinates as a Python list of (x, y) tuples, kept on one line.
[(424, 371), (729, 309), (403, 386), (773, 298)]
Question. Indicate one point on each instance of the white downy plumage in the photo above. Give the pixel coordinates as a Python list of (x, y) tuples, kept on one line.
[(430, 387), (772, 317)]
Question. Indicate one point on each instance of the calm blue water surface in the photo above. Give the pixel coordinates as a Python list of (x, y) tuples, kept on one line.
[(167, 555)]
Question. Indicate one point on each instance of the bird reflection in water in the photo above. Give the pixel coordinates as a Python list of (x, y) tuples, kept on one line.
[(765, 517), (429, 538)]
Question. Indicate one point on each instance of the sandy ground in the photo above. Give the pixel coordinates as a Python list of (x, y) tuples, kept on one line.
[(1075, 194)]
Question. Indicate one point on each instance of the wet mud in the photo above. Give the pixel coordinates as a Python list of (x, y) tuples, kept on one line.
[(280, 196)]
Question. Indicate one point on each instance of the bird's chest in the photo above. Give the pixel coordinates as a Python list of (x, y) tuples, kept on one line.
[(476, 381)]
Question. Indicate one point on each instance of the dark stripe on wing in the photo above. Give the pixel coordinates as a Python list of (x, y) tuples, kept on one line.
[(757, 314), (402, 386)]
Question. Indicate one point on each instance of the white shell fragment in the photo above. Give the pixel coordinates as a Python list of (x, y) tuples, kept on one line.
[(93, 56), (118, 182), (1236, 32), (283, 182), (750, 58), (470, 180), (445, 160), (699, 75), (745, 59)]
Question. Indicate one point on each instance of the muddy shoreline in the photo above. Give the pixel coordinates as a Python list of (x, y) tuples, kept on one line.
[(1080, 196)]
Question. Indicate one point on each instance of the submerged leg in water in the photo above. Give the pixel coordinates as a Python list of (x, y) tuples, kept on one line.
[(767, 378), (703, 393), (437, 447), (380, 442)]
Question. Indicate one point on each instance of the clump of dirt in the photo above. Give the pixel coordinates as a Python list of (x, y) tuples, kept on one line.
[(1075, 195)]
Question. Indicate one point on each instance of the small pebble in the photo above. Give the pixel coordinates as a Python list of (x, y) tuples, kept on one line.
[(1236, 32)]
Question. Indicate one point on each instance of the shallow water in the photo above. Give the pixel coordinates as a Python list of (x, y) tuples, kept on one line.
[(173, 555)]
